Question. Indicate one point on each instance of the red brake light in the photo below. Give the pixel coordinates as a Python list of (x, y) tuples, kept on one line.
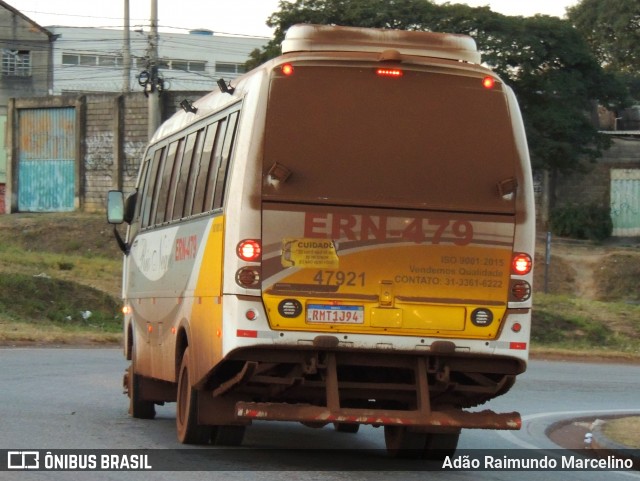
[(521, 264), (249, 250), (287, 69), (389, 72), (488, 82)]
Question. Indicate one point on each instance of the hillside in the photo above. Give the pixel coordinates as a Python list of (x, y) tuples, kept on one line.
[(60, 279), (57, 266)]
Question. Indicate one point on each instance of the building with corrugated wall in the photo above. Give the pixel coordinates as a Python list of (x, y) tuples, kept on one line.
[(68, 148), (26, 69)]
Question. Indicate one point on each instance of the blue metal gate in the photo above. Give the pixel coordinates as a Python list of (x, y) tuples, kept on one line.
[(46, 159), (625, 202)]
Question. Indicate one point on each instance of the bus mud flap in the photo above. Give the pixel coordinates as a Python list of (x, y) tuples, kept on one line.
[(239, 379)]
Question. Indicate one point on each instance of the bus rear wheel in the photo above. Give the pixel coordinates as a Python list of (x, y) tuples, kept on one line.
[(402, 442), (441, 445), (227, 435), (346, 427), (187, 428)]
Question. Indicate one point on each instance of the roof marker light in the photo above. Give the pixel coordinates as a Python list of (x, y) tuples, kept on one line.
[(488, 82), (389, 72), (287, 69)]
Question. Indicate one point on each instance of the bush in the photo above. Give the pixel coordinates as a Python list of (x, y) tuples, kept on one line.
[(589, 221)]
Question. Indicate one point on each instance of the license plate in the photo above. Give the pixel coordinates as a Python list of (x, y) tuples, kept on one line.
[(323, 313)]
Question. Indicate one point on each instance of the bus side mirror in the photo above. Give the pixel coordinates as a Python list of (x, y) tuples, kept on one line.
[(115, 207), (116, 215)]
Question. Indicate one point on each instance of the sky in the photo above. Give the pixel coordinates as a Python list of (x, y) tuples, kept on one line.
[(242, 17)]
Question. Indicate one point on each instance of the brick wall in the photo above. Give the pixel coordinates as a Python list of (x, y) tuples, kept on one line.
[(135, 137), (116, 135), (98, 150)]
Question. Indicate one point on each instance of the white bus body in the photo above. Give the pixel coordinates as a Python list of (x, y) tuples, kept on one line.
[(345, 236)]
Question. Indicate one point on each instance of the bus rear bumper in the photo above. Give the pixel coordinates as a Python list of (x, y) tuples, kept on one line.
[(316, 386), (445, 420)]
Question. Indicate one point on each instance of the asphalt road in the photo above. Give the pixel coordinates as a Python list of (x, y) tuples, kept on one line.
[(72, 399)]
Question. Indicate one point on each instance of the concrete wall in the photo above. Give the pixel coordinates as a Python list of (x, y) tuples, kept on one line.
[(594, 185), (111, 138), (115, 140), (114, 136)]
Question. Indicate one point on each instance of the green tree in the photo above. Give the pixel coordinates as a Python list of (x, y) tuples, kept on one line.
[(544, 59), (394, 14), (612, 29)]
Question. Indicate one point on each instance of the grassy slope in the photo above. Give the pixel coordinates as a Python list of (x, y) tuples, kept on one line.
[(57, 266), (60, 279)]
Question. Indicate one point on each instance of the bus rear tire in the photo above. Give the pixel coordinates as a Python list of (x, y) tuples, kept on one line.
[(403, 443), (346, 427), (227, 435), (440, 445), (187, 428)]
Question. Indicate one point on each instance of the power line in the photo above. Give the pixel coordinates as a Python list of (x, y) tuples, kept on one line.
[(144, 23), (102, 17)]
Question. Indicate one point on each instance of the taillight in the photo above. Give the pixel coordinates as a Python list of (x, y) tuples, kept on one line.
[(520, 290), (248, 277), (249, 250), (521, 264)]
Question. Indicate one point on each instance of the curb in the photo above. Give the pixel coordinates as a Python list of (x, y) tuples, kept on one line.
[(604, 447)]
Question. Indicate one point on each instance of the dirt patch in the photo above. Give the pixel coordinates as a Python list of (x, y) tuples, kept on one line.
[(605, 272)]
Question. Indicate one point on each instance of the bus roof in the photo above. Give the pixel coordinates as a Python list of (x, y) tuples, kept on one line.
[(324, 38)]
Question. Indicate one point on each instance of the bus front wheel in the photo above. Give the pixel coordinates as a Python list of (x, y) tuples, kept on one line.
[(187, 428)]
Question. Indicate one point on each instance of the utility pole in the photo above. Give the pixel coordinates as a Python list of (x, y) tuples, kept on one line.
[(126, 56), (154, 95)]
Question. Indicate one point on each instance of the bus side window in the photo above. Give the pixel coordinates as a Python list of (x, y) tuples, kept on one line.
[(193, 173), (177, 162), (181, 191), (148, 183), (156, 179), (215, 164), (224, 160), (167, 175), (203, 171), (142, 191)]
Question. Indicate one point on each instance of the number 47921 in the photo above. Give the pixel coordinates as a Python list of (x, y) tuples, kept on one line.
[(340, 278)]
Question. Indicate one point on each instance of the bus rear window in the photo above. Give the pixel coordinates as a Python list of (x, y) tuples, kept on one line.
[(426, 140)]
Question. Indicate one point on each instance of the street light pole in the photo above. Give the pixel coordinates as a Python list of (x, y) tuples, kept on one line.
[(126, 56), (154, 95)]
